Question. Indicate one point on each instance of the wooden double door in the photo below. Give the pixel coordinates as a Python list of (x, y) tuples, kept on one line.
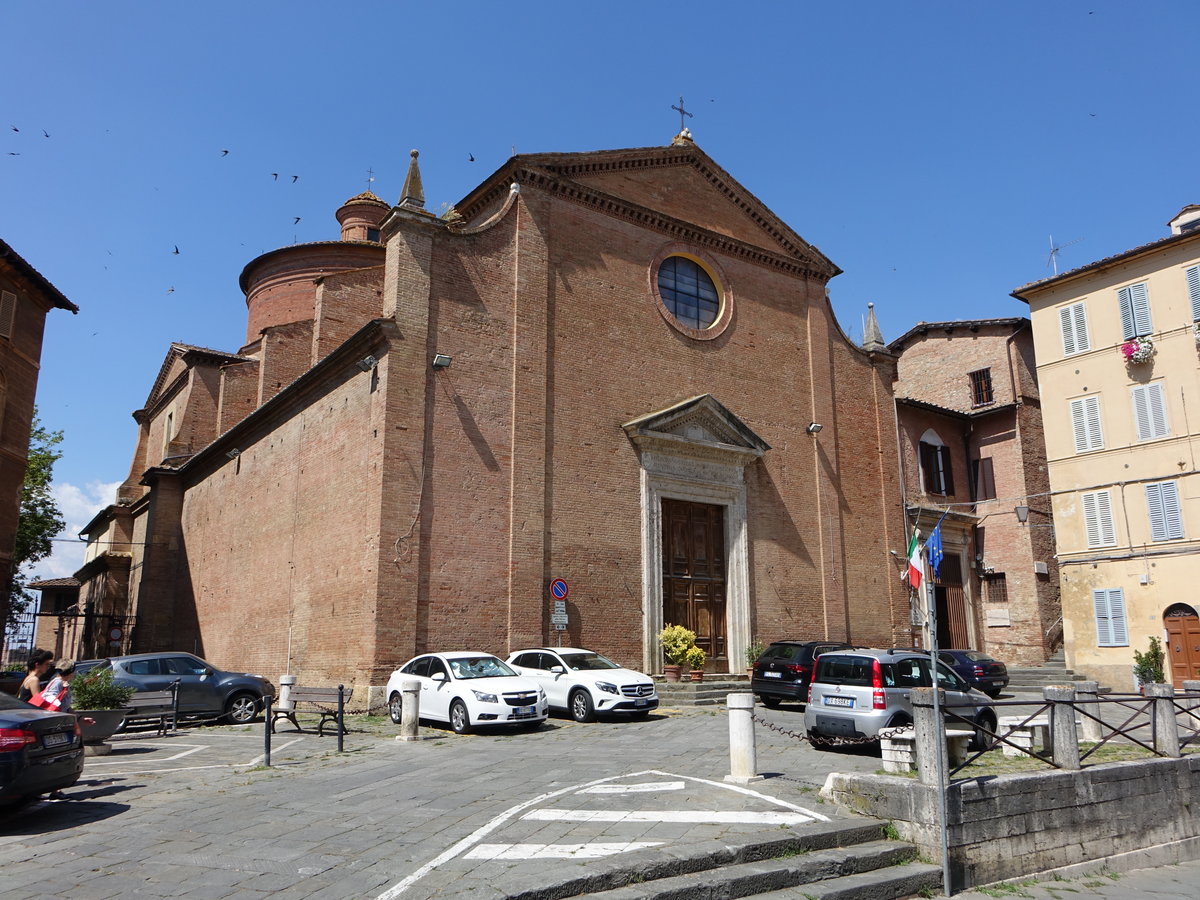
[(694, 574), (1183, 644)]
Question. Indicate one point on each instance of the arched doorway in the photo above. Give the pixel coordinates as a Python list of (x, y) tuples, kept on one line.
[(1183, 643)]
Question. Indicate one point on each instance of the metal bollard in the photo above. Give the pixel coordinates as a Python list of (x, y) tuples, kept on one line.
[(267, 730), (1064, 736), (1093, 733), (743, 761), (1166, 728), (341, 714), (175, 706), (410, 711)]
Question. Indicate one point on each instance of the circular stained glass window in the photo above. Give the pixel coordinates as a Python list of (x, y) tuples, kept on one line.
[(688, 292)]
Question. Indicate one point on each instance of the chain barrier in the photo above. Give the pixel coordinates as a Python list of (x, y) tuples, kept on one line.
[(822, 740)]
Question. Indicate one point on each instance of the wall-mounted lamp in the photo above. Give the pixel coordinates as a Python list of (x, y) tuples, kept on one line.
[(441, 361), (367, 363), (233, 454), (813, 427), (1022, 514)]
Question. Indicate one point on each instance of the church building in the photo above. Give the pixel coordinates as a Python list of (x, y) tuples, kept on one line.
[(615, 368)]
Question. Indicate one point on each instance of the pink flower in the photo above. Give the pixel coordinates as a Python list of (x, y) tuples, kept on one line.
[(1129, 348)]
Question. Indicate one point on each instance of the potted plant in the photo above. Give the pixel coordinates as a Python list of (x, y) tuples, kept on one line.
[(695, 663), (753, 652), (676, 641), (1148, 667), (97, 696), (1138, 350)]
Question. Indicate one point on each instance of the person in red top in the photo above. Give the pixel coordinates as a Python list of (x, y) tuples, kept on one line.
[(57, 694)]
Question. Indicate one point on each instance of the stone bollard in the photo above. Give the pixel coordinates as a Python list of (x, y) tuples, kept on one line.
[(743, 761), (1093, 732), (284, 701), (1166, 728), (1064, 736), (410, 709), (927, 731)]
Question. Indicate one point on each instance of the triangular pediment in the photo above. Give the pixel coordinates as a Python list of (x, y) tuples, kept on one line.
[(699, 424), (680, 183), (180, 358)]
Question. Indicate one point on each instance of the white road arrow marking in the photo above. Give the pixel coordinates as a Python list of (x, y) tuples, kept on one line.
[(557, 851), (643, 788), (707, 816)]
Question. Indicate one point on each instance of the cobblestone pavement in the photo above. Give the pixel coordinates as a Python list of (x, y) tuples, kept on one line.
[(1177, 881), (196, 815)]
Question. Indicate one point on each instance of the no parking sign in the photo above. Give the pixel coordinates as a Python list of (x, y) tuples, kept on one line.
[(559, 589)]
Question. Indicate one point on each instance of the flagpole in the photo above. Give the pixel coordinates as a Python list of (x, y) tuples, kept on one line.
[(940, 740)]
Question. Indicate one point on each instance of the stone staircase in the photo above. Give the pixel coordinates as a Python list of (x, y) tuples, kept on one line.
[(841, 860), (1031, 679), (709, 692)]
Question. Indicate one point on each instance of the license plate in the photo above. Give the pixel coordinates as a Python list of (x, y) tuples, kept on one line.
[(640, 702), (60, 739), (526, 710), (772, 674), (839, 701)]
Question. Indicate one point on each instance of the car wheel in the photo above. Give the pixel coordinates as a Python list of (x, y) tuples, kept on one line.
[(982, 740), (396, 707), (459, 720), (241, 709), (769, 702), (582, 709)]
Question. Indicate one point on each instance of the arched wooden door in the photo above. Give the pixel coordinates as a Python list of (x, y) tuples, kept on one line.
[(1183, 643), (694, 575)]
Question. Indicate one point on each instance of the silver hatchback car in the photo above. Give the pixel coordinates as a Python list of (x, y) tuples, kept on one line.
[(858, 693)]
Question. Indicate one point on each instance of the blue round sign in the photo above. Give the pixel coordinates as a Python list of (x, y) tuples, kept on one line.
[(559, 589)]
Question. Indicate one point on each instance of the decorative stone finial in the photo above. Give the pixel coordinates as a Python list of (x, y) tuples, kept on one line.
[(872, 336), (683, 138), (412, 195)]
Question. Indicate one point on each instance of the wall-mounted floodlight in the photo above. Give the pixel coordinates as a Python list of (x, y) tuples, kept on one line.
[(1022, 514), (441, 361), (814, 427), (367, 363), (233, 454)]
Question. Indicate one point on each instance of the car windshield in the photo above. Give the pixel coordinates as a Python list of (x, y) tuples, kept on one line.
[(479, 667), (587, 662)]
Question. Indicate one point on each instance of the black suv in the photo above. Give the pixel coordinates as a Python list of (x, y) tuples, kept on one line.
[(785, 669)]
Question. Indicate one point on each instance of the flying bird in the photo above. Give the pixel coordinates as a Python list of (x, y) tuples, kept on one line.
[(470, 157), (10, 153), (275, 175), (45, 133), (224, 152), (296, 220), (176, 249), (170, 290), (295, 178), (16, 129)]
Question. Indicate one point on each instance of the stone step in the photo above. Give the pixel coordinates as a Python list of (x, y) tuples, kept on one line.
[(871, 864), (915, 879), (709, 692)]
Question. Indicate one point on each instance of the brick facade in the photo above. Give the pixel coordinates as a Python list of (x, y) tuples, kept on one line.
[(1008, 607), (376, 510)]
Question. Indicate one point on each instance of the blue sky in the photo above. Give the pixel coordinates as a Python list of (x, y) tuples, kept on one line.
[(929, 149)]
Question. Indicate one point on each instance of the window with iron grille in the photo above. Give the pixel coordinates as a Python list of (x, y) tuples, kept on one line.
[(997, 587), (981, 387)]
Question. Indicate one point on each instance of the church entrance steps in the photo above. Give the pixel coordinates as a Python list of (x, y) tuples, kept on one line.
[(709, 692)]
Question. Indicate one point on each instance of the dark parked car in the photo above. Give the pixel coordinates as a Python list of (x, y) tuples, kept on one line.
[(977, 669), (40, 751), (785, 669), (204, 690), (10, 681)]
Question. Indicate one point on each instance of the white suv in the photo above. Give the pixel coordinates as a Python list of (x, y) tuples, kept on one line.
[(584, 683)]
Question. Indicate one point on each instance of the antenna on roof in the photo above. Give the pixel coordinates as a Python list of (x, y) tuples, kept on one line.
[(1055, 249)]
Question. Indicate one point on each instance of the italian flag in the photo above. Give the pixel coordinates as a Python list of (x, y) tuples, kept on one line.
[(913, 574)]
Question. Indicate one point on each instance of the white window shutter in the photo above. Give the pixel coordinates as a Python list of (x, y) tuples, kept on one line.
[(1154, 506), (1166, 518), (1193, 284), (1134, 301), (1150, 411), (1073, 322), (1085, 421), (1116, 612), (1103, 620), (1098, 520), (1079, 424)]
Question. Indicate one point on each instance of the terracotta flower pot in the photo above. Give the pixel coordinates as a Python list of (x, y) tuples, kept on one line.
[(697, 674), (671, 673)]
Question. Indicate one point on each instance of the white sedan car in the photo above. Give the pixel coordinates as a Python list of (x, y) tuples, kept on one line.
[(469, 689), (584, 683)]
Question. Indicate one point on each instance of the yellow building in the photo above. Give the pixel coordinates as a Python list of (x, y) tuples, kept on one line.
[(1117, 343)]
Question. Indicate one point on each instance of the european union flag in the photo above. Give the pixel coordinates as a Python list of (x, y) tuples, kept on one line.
[(933, 547)]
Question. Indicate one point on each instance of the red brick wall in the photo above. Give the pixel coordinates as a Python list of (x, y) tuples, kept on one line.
[(238, 394), (286, 354), (343, 303)]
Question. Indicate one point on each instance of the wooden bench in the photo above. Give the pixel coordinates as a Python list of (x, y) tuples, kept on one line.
[(151, 706), (324, 699)]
